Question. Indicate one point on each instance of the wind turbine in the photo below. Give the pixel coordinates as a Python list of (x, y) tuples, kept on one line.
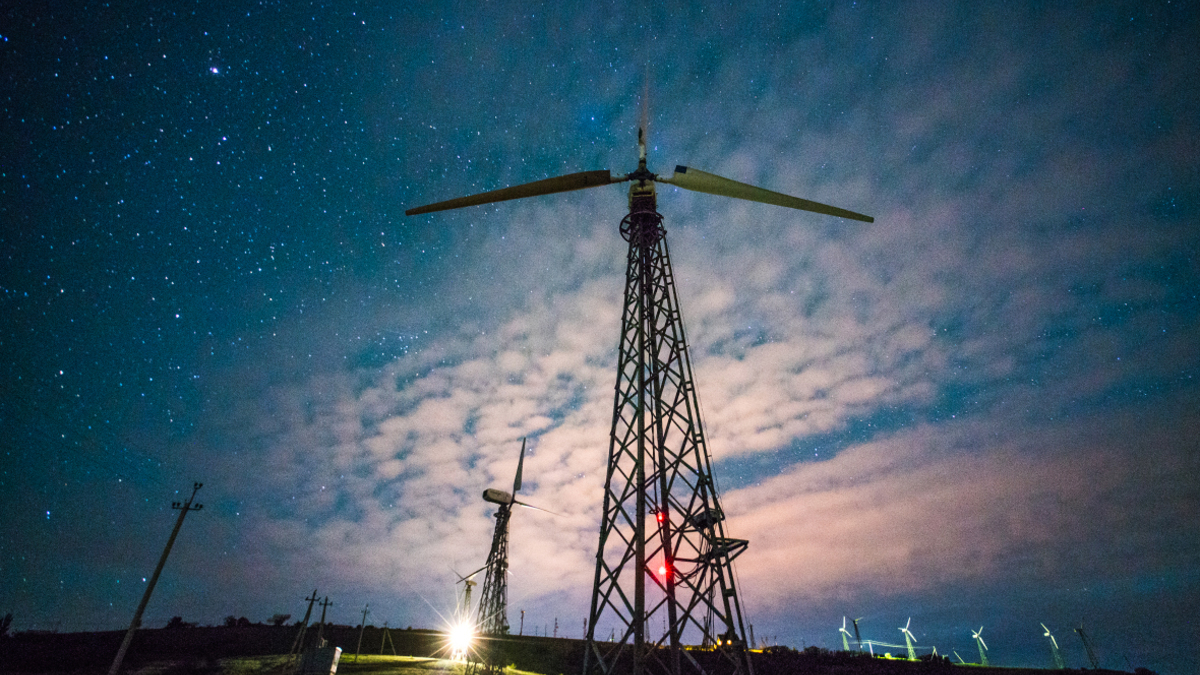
[(857, 637), (492, 621), (468, 582), (661, 520), (978, 635), (1087, 645), (493, 604), (1058, 660), (908, 640), (845, 635)]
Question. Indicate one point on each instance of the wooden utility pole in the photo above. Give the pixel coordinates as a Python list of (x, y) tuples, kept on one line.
[(298, 643), (137, 616), (321, 629)]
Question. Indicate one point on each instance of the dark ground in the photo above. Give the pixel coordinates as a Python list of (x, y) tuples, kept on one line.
[(256, 650)]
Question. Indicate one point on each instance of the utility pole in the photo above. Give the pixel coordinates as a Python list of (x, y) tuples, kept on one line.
[(522, 632), (321, 629), (363, 627), (137, 616), (387, 637), (298, 643)]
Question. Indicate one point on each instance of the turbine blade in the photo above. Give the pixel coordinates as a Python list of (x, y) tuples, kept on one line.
[(700, 181), (520, 462), (574, 181), (644, 122), (536, 508), (462, 578), (983, 643)]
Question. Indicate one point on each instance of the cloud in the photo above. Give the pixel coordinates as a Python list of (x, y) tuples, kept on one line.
[(984, 370), (961, 505)]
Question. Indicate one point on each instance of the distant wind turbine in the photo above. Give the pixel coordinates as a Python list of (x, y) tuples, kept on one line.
[(978, 635), (845, 636), (908, 640), (1087, 645), (1058, 660)]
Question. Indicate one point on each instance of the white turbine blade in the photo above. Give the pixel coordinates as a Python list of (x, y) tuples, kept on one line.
[(700, 181), (536, 508), (520, 462), (843, 623), (908, 624), (574, 181), (1046, 629), (983, 643)]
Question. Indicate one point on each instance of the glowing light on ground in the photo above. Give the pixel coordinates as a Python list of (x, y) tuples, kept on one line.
[(461, 637)]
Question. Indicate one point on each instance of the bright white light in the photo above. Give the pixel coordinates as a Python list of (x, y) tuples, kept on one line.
[(461, 637)]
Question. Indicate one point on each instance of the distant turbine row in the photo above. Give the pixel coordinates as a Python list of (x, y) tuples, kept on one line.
[(977, 635)]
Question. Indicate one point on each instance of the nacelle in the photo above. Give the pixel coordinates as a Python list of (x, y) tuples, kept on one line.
[(497, 496)]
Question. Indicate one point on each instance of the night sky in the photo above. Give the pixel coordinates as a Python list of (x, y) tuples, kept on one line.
[(979, 410)]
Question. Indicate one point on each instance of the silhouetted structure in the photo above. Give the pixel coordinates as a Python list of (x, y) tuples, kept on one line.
[(662, 520)]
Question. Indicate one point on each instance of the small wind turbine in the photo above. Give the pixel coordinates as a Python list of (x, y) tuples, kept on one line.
[(978, 635), (908, 640), (493, 605), (1058, 660), (845, 635), (468, 582)]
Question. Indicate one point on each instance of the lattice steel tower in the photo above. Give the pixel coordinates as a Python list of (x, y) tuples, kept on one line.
[(492, 621), (662, 521)]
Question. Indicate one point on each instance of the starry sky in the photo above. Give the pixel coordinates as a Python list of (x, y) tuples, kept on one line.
[(978, 410)]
